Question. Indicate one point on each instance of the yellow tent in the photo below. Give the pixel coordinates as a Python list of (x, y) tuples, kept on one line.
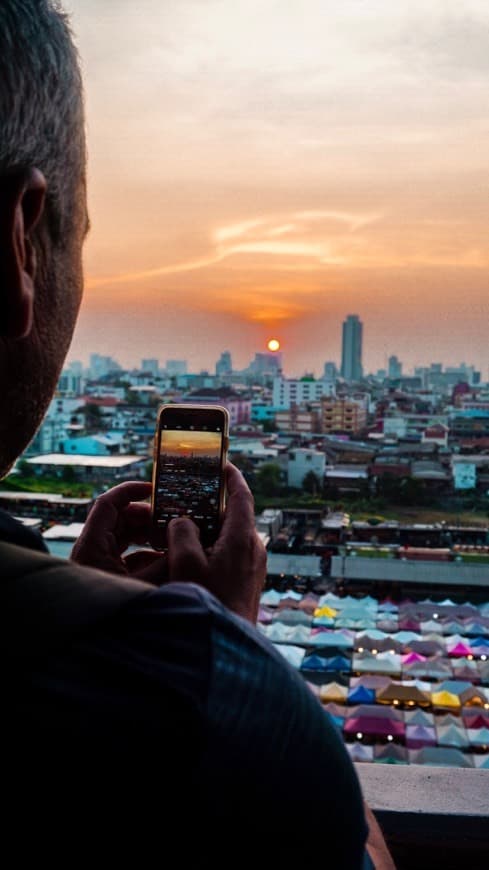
[(325, 611), (333, 692), (445, 699)]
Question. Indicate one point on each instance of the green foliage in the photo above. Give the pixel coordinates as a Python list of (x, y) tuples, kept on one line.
[(268, 479), (311, 483), (48, 484)]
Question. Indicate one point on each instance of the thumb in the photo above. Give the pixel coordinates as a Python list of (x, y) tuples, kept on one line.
[(187, 561)]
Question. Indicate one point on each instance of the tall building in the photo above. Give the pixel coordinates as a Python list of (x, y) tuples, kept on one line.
[(176, 367), (266, 364), (330, 371), (224, 365), (351, 349), (395, 368), (150, 366)]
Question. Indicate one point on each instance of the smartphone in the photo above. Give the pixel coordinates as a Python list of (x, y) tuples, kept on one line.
[(190, 448)]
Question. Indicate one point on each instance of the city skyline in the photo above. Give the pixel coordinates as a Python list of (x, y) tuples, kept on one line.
[(246, 185)]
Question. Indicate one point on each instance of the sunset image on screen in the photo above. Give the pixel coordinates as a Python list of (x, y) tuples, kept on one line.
[(189, 444)]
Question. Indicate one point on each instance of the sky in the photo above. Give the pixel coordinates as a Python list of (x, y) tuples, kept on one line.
[(175, 443), (262, 168)]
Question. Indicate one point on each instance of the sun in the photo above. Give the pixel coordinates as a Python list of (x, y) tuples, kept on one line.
[(273, 344)]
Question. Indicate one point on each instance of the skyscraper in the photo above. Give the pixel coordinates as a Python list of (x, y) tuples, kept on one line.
[(224, 365), (351, 350)]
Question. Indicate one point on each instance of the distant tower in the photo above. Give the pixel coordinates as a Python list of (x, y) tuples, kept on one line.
[(351, 350), (395, 368), (224, 365), (330, 372)]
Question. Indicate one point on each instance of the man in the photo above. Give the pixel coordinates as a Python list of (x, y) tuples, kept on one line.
[(138, 716)]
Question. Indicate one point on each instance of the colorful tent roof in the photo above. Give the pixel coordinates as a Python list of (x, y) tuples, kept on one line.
[(440, 756), (360, 752), (325, 610), (478, 736), (293, 654), (419, 717), (396, 692), (361, 695), (333, 692), (418, 736), (450, 735), (372, 725), (445, 700)]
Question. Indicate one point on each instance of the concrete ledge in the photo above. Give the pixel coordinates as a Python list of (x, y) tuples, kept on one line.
[(431, 816)]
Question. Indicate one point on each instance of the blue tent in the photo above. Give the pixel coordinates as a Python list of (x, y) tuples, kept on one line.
[(361, 695)]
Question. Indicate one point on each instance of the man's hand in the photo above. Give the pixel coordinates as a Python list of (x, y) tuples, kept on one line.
[(118, 518), (235, 569)]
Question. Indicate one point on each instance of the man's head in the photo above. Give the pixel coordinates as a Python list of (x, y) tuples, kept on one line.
[(43, 217)]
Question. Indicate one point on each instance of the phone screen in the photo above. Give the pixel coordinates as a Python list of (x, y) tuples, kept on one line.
[(189, 479)]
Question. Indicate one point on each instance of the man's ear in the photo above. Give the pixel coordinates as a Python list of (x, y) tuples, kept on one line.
[(22, 197)]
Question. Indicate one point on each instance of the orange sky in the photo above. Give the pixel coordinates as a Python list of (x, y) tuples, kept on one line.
[(262, 169), (186, 443)]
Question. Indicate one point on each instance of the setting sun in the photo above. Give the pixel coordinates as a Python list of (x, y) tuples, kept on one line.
[(273, 344)]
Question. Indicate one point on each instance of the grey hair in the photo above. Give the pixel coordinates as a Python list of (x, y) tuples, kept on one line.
[(41, 104)]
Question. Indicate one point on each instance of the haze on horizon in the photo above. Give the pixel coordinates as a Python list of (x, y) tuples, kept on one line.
[(261, 169)]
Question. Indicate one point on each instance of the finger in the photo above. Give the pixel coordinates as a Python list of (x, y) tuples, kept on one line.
[(240, 511), (134, 524), (187, 561), (105, 512), (148, 565)]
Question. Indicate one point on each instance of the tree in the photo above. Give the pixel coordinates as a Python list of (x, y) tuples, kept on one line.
[(311, 483), (269, 479)]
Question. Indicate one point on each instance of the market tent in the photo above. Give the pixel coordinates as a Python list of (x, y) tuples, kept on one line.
[(325, 610), (390, 626), (445, 700), (390, 753), (465, 670), (455, 686), (387, 606), (409, 624), (374, 726), (459, 649), (451, 735), (299, 634), (453, 626), (383, 663), (326, 621), (396, 693), (361, 695), (411, 657), (271, 598), (430, 626), (483, 668), (292, 617), (371, 681), (449, 719), (293, 654), (478, 736), (309, 603), (481, 761), (330, 598), (264, 615), (337, 711), (427, 647), (360, 752), (476, 720), (407, 637), (433, 668), (419, 717), (330, 638), (333, 692), (472, 697), (377, 711), (440, 756), (418, 736), (314, 663)]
